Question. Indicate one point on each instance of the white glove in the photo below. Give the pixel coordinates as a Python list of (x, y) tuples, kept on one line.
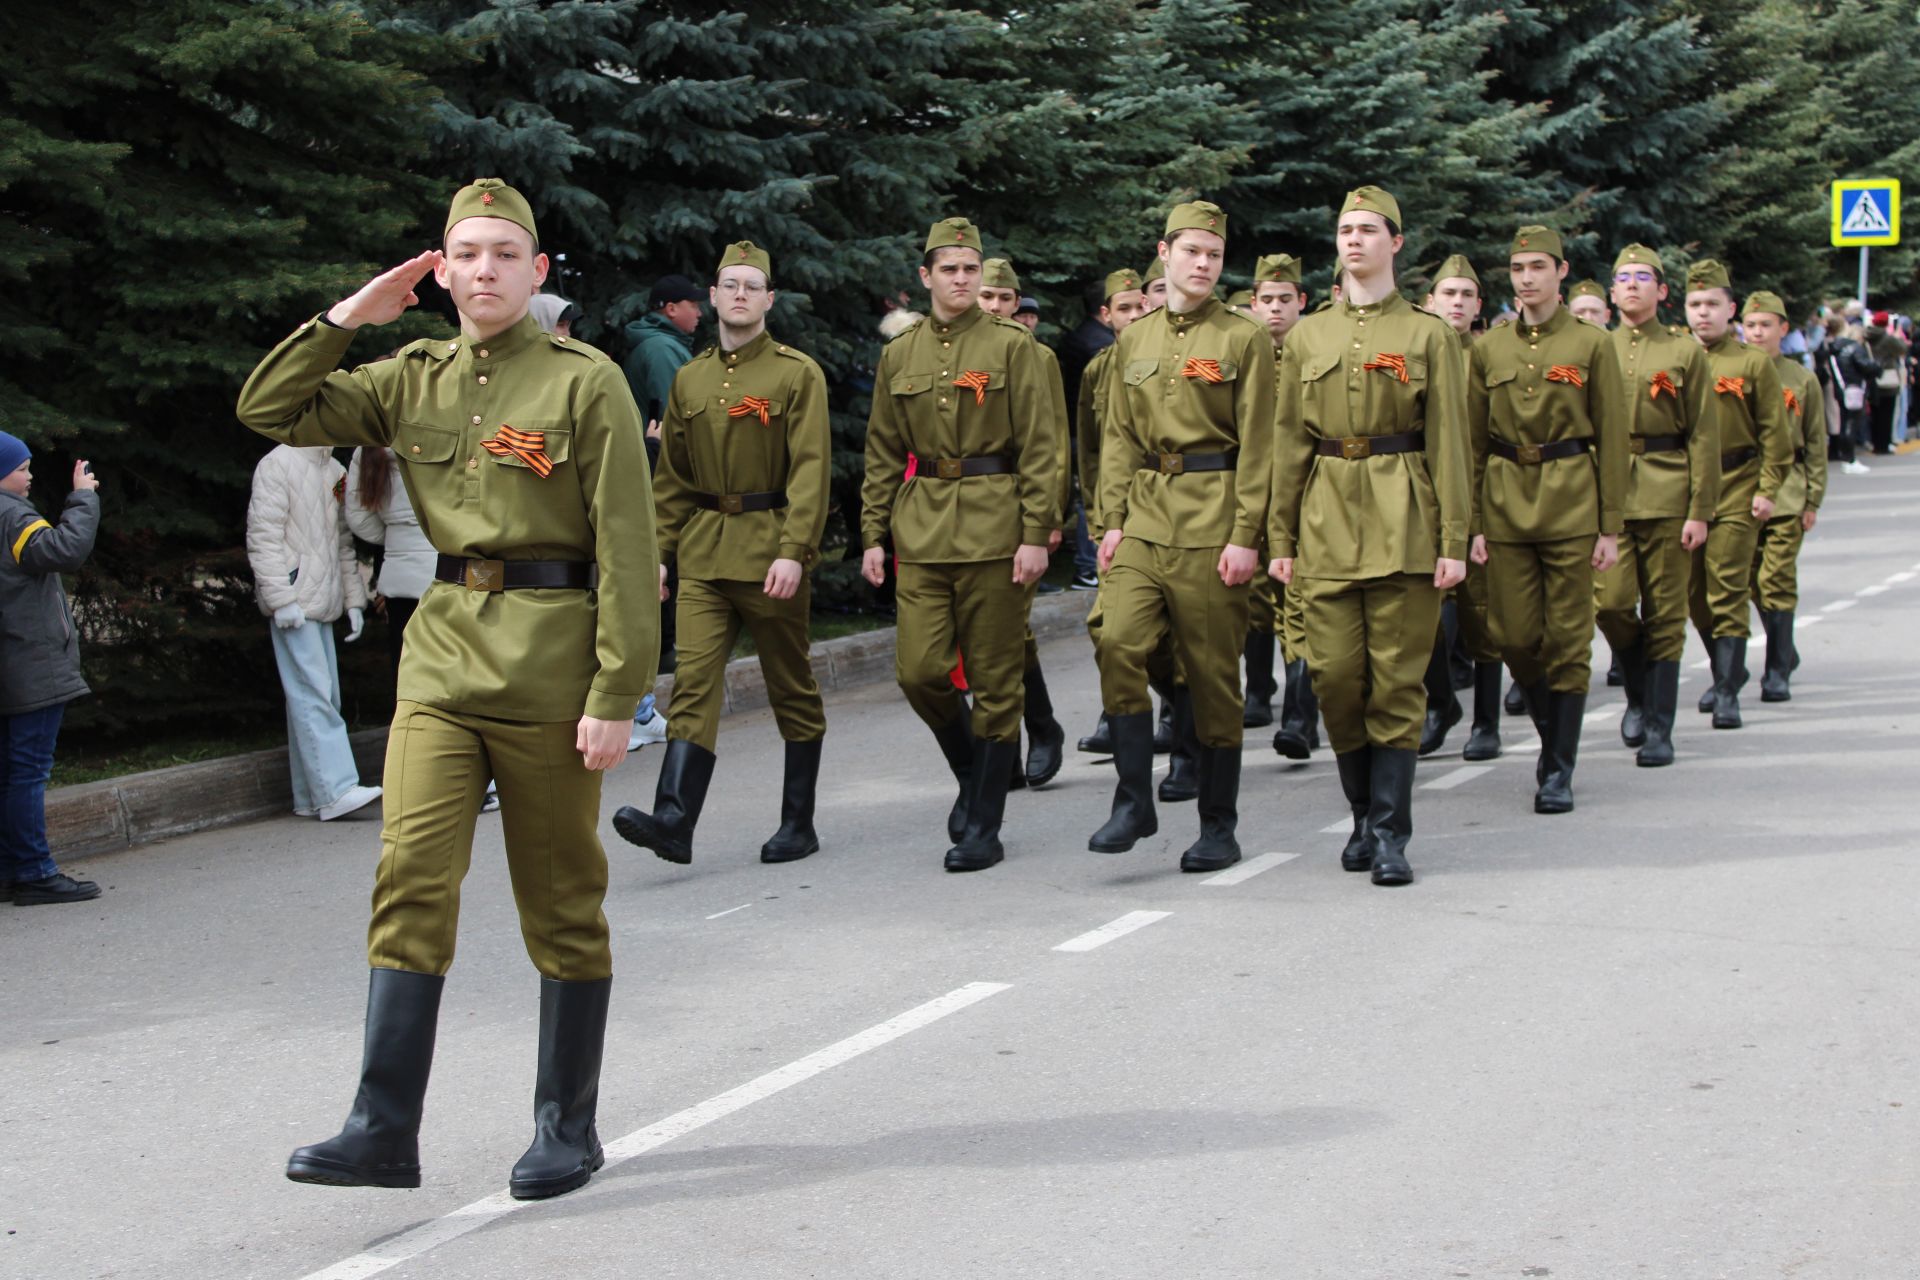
[(356, 623), (289, 616)]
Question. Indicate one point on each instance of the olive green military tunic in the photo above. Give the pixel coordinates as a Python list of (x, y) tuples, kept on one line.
[(1364, 530), (1756, 455), (1470, 597), (1197, 383), (945, 392), (493, 682), (1776, 577), (1530, 386), (1673, 475), (738, 423), (1061, 429)]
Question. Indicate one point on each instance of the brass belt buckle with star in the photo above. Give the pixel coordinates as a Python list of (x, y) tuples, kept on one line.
[(1355, 447), (486, 575), (1173, 464), (1529, 454)]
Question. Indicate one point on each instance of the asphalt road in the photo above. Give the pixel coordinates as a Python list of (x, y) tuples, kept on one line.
[(1672, 1034)]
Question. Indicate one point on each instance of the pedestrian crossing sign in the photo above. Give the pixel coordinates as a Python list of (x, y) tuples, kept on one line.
[(1866, 211)]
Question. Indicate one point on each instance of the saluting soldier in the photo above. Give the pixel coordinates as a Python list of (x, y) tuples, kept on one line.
[(965, 394), (1756, 457), (1046, 740), (524, 662), (1673, 481), (740, 503), (1796, 505), (1183, 479), (1369, 520), (1588, 301), (1550, 473), (1456, 298)]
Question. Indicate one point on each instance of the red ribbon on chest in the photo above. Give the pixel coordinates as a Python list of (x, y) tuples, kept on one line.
[(528, 446), (1662, 381), (1205, 370), (1391, 362), (1730, 386), (977, 380), (1793, 401), (1566, 373), (750, 405)]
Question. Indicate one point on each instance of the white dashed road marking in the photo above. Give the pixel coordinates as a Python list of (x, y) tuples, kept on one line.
[(1250, 868), (1117, 929)]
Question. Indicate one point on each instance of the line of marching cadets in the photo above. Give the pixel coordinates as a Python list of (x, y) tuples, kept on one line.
[(1331, 476), (1369, 483)]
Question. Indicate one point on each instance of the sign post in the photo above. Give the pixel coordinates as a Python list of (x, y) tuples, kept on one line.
[(1866, 211)]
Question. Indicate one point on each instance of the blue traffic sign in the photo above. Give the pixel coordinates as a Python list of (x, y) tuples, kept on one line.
[(1866, 211)]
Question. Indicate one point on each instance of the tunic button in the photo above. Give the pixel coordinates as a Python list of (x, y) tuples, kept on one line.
[(476, 419), (943, 399), (946, 344), (482, 353), (483, 379), (472, 463), (943, 373), (726, 384), (1529, 366), (1356, 346), (416, 448), (453, 346)]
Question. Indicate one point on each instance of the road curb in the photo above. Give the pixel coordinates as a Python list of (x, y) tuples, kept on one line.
[(125, 812)]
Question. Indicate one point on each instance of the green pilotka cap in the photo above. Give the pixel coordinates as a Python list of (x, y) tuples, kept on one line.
[(1457, 268), (1587, 289), (1155, 272), (1196, 215), (1766, 301), (1534, 238), (1372, 200), (1709, 274), (745, 253), (1639, 255), (1276, 268), (953, 233), (1240, 298), (998, 273), (1122, 281), (491, 198)]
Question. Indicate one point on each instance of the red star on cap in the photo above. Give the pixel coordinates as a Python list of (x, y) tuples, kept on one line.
[(1523, 242), (743, 255), (1212, 221), (486, 197), (959, 235)]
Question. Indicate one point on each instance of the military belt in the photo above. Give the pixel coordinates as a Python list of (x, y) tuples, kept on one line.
[(957, 468), (1532, 455), (732, 504), (1173, 464), (1655, 444), (1738, 457), (1351, 447), (516, 575)]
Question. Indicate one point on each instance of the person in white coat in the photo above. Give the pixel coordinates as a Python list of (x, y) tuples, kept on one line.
[(305, 577)]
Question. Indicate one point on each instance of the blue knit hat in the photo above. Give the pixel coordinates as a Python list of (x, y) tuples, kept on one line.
[(13, 452)]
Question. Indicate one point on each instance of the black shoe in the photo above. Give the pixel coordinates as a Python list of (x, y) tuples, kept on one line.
[(1133, 817), (1163, 727), (979, 845), (1046, 740), (566, 1091), (1299, 731), (1483, 743), (1390, 814), (1216, 849), (1566, 712), (1100, 741), (1441, 719), (685, 772), (1516, 701), (1443, 706), (1661, 699), (796, 837), (1356, 783), (1782, 657), (1712, 693), (380, 1144), (1731, 658), (1632, 662), (56, 888), (956, 744), (1258, 711), (1182, 782), (1084, 582)]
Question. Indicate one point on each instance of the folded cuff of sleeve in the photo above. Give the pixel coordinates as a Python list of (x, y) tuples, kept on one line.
[(603, 705)]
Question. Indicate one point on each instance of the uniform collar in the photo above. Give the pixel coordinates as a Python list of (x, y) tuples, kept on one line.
[(509, 343), (1651, 329), (741, 355), (1555, 323), (1726, 343), (1392, 302), (1188, 319), (967, 319)]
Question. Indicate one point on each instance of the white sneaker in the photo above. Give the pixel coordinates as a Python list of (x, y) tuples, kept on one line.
[(491, 804), (647, 732), (355, 798), (306, 813), (1855, 468)]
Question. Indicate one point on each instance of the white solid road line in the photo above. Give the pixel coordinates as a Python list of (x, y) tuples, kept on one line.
[(431, 1235), (1903, 576), (1877, 589), (1453, 778), (1342, 827), (1250, 868), (1117, 929), (729, 911), (1837, 605), (1807, 621)]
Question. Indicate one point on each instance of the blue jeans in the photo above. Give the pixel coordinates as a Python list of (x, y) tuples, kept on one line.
[(318, 753), (644, 712), (1086, 560), (26, 762)]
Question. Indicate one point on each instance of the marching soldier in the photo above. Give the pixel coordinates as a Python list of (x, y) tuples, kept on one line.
[(1550, 469), (525, 660), (1278, 302), (1369, 520), (1756, 457), (1183, 475), (1588, 301), (1046, 740), (740, 504), (1673, 481), (1776, 581), (964, 392), (1456, 298)]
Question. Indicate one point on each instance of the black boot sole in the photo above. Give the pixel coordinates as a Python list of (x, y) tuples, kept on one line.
[(1472, 752), (1769, 695), (1256, 716), (959, 861), (1393, 876), (1201, 862), (1655, 763), (1095, 845), (547, 1188), (639, 829), (1292, 746), (1050, 766), (770, 854), (329, 1173)]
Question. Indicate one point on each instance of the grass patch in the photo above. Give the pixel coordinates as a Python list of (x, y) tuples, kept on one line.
[(99, 765)]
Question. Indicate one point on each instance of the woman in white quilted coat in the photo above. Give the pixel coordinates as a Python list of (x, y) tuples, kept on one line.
[(305, 576)]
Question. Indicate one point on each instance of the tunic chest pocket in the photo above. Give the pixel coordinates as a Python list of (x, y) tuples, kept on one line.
[(1497, 378), (911, 384), (1139, 372), (1316, 368), (556, 443), (422, 445)]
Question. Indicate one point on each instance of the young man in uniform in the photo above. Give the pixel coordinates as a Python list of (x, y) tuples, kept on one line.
[(1153, 285), (1278, 301), (965, 393), (1673, 480), (1456, 298), (1183, 493), (740, 503), (1548, 416), (1588, 301), (521, 452), (1046, 740), (1369, 521), (1776, 559), (1756, 457)]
